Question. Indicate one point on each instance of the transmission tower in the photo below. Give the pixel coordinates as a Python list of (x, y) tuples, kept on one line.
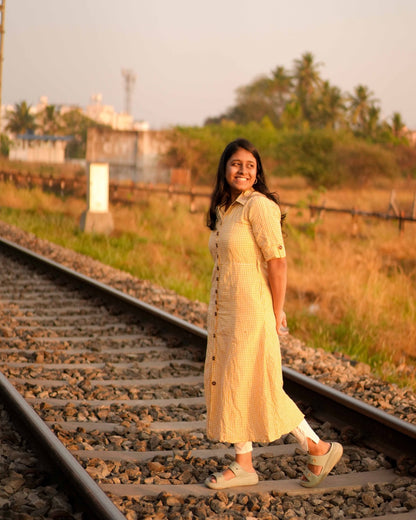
[(2, 14), (129, 81)]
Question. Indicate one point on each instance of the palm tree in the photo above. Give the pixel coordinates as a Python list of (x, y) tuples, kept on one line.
[(361, 102), (281, 86), (292, 115), (398, 125), (307, 81), (49, 120), (373, 122), (20, 120), (330, 106)]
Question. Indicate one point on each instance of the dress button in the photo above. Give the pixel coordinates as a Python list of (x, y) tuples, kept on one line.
[(280, 247), (214, 336), (214, 383), (217, 279), (213, 358), (215, 313)]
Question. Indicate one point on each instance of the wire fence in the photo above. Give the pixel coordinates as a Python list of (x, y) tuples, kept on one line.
[(127, 192)]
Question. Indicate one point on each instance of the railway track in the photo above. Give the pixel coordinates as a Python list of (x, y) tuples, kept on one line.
[(104, 383)]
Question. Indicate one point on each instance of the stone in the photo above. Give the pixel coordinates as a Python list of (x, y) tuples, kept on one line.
[(368, 500), (155, 467), (410, 501), (217, 506), (173, 501)]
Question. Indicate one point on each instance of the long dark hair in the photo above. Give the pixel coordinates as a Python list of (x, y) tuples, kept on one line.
[(221, 195)]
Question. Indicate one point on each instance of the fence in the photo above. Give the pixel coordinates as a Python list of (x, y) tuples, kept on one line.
[(129, 192), (316, 213)]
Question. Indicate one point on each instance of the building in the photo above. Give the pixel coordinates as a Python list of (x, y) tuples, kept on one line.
[(39, 148), (107, 115), (131, 154), (96, 110), (51, 148)]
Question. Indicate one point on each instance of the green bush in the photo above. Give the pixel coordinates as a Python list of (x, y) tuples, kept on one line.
[(358, 162), (4, 145), (199, 148), (406, 160), (324, 157), (307, 153)]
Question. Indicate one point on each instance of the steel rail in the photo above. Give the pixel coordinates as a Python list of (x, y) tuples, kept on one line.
[(374, 427), (72, 475), (151, 313), (397, 438)]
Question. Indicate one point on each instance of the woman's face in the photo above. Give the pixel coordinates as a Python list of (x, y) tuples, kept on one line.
[(240, 172)]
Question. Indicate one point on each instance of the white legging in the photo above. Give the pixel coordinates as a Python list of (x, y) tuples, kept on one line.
[(301, 432)]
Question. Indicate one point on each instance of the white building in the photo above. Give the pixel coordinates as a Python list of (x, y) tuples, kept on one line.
[(104, 114), (39, 148), (107, 115)]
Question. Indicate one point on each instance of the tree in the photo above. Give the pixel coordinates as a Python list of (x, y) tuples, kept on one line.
[(362, 103), (397, 125), (373, 121), (281, 87), (49, 120), (292, 117), (76, 124), (307, 82), (264, 97), (330, 107), (300, 100), (254, 102), (20, 120)]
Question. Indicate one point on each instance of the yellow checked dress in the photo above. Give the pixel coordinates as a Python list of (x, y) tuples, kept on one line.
[(243, 374)]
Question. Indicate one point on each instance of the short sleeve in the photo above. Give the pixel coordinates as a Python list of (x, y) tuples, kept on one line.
[(264, 217)]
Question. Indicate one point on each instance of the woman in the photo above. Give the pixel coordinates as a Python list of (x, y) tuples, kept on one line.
[(243, 375)]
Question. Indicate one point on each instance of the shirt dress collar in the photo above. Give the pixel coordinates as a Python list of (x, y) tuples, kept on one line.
[(241, 199)]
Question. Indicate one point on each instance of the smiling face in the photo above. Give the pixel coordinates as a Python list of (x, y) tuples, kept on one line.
[(240, 172)]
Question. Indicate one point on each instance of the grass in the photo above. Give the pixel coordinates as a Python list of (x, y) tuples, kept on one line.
[(355, 292), (151, 241), (350, 292)]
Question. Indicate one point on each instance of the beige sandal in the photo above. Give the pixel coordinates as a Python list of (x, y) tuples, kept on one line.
[(327, 462), (242, 478)]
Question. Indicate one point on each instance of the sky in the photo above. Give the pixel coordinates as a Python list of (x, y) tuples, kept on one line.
[(189, 56)]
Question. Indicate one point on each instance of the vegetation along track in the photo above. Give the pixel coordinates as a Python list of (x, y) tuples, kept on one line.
[(120, 385)]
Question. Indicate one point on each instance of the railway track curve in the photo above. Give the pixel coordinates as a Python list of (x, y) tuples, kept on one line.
[(111, 391)]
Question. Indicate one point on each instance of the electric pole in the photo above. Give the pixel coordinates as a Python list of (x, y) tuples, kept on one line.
[(129, 80), (2, 14)]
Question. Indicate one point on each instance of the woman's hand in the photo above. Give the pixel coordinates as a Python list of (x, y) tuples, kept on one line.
[(281, 324), (277, 269)]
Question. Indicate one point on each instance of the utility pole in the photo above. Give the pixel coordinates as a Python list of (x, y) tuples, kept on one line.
[(2, 14), (129, 80)]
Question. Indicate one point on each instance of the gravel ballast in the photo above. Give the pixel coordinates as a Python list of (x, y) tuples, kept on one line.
[(334, 370)]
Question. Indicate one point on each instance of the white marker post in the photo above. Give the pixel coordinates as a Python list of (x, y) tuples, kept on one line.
[(97, 218)]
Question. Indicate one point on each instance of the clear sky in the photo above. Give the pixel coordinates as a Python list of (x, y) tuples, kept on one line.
[(190, 56)]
